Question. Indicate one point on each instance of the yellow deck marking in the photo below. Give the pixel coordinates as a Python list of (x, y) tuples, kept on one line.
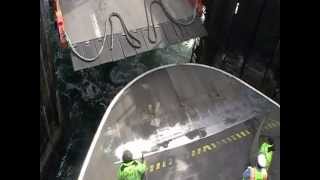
[(151, 168), (277, 122), (158, 165), (238, 135), (248, 132), (199, 151), (205, 147), (224, 141), (274, 124), (164, 164), (233, 137), (270, 126), (193, 153)]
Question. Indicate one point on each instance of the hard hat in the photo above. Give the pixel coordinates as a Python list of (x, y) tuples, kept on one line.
[(262, 161), (127, 156)]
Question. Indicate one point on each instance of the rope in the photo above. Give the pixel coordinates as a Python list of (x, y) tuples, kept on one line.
[(125, 30), (129, 36), (170, 17), (82, 57)]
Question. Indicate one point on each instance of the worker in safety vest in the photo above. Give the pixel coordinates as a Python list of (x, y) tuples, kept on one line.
[(263, 163), (131, 169)]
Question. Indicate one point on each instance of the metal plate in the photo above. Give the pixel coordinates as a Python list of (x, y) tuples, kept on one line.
[(127, 49), (106, 55), (161, 40), (140, 36), (85, 22), (85, 19), (170, 33), (172, 111)]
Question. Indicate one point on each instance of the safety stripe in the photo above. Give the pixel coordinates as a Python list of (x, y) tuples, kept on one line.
[(276, 122), (248, 132), (209, 147), (224, 141), (158, 166), (218, 142), (238, 135), (199, 151), (243, 134), (164, 164), (193, 153), (233, 137), (206, 147), (151, 168), (273, 124)]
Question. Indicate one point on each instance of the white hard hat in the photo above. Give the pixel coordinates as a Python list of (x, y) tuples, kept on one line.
[(262, 161)]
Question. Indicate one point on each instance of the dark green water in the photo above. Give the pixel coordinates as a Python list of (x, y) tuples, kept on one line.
[(85, 96)]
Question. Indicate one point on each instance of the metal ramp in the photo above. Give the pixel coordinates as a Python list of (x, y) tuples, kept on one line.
[(195, 122), (84, 21)]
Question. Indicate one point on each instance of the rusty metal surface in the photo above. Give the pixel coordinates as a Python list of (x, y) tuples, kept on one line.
[(168, 111)]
